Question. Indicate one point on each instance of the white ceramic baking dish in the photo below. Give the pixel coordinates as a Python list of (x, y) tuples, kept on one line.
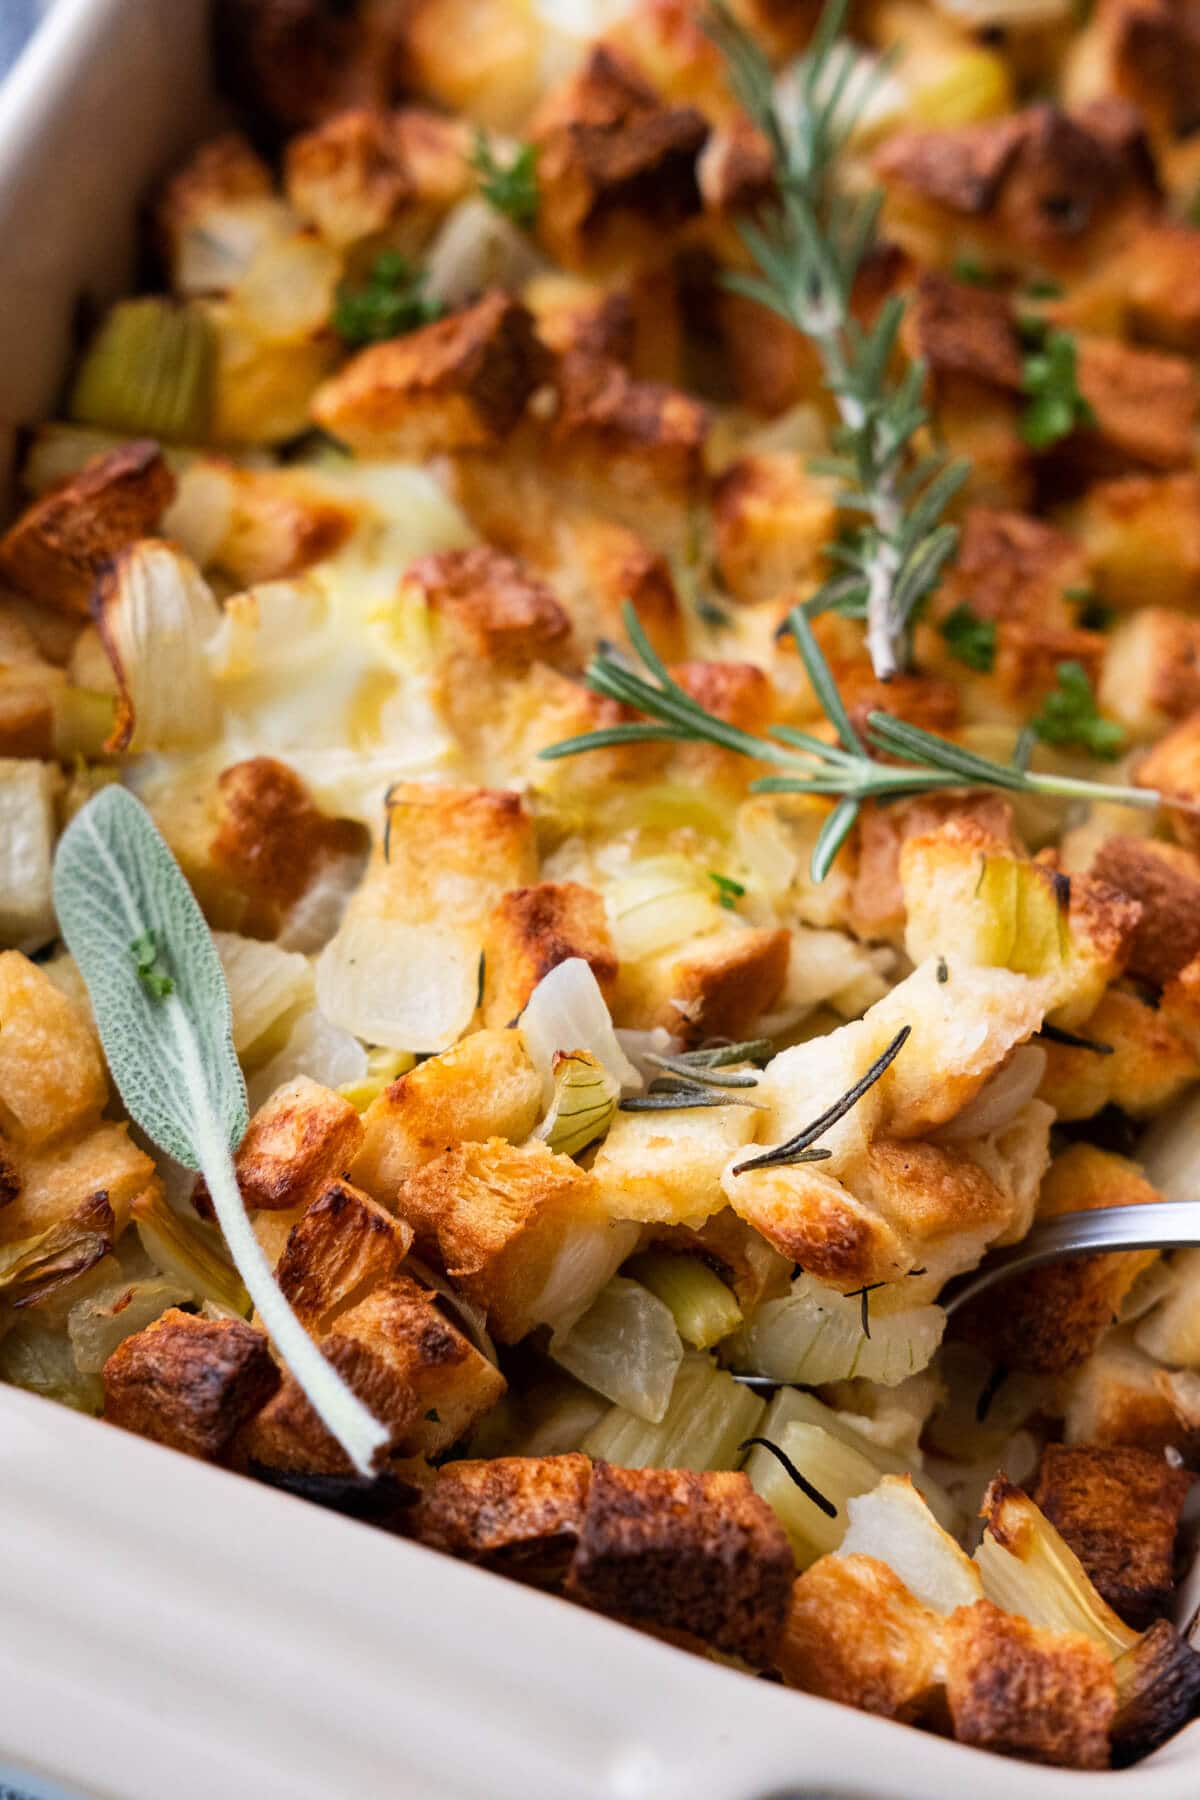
[(172, 1632)]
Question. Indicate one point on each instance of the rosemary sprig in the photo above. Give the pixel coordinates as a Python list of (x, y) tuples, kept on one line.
[(698, 1074), (681, 1097), (797, 1149), (781, 1456), (847, 771), (808, 254)]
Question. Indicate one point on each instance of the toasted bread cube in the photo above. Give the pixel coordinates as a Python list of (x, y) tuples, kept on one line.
[(295, 1145), (507, 1221), (1148, 51), (533, 929), (1148, 1062), (877, 897), (278, 524), (938, 1199), (1118, 1508), (458, 384), (970, 898), (365, 172), (490, 608), (1144, 402), (342, 1245), (189, 1382), (962, 331), (1012, 567), (485, 846), (518, 1514), (1116, 1397), (773, 521), (1049, 1696), (812, 1219), (616, 168), (58, 545), (1141, 535), (1054, 1318), (1151, 674), (57, 1178), (1162, 292), (681, 1551), (287, 1437), (603, 567), (634, 445), (405, 1327), (1164, 879), (855, 1633), (30, 684), (719, 987), (1173, 766), (665, 1168), (289, 65), (52, 1074), (253, 845), (484, 1087), (1028, 658), (573, 313), (479, 57)]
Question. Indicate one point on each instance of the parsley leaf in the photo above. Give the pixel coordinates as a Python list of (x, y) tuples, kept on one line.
[(972, 271), (391, 302), (970, 639), (150, 972), (1070, 715), (729, 892), (1049, 378), (512, 190)]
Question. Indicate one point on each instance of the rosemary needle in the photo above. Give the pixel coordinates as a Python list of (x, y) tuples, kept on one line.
[(797, 1148), (805, 1486)]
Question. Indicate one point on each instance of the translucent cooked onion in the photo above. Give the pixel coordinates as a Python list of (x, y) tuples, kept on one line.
[(591, 1253), (477, 248), (264, 983), (664, 902), (408, 987), (636, 1045), (709, 1416), (156, 615), (585, 1099), (566, 1012), (316, 1048), (625, 1347), (815, 1335), (1170, 1150), (892, 1522), (999, 1100), (98, 1324)]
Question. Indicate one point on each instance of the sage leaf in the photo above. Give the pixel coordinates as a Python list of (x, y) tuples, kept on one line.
[(170, 1050)]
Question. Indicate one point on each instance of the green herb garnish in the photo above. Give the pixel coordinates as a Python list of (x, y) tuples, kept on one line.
[(511, 188), (970, 270), (1050, 380), (151, 974), (1070, 715), (729, 892), (970, 639), (391, 302), (808, 252), (171, 1054), (798, 1148)]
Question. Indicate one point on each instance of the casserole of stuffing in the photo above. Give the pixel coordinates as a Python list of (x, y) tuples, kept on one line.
[(650, 584)]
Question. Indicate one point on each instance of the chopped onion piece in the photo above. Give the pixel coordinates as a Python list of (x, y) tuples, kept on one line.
[(664, 902), (407, 987), (892, 1521), (625, 1347), (565, 1012), (477, 248), (591, 1254), (156, 614), (264, 983), (815, 1335), (315, 1048), (709, 1416), (585, 1099), (1170, 1151), (97, 1324), (999, 1100)]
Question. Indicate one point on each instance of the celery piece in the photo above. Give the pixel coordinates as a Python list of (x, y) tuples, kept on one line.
[(149, 369), (709, 1415), (703, 1307)]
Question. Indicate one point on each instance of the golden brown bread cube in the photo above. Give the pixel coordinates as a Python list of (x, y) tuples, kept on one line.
[(1161, 277), (408, 1330), (223, 171), (717, 988), (459, 384), (688, 1552), (342, 1245), (270, 843), (292, 62), (278, 525), (1118, 1508), (518, 1514), (1141, 535), (855, 1633), (491, 609), (1149, 1060), (813, 1220), (365, 172), (1144, 403), (503, 1217), (52, 1074), (1055, 1316), (604, 566), (485, 845), (301, 1139), (189, 1382), (30, 689), (773, 522), (484, 1087), (1151, 674), (1048, 1696), (1118, 1396), (959, 330), (56, 547), (55, 1179), (287, 1437), (877, 896), (627, 444), (1165, 881), (1012, 567), (616, 167), (1173, 767), (533, 929), (1148, 52)]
